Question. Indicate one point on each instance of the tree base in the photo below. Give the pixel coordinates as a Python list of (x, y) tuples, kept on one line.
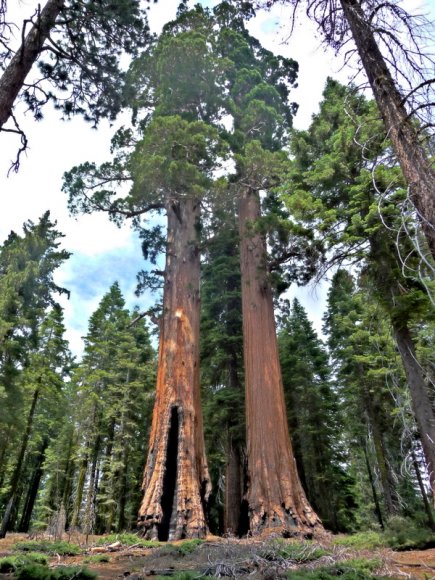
[(152, 531), (285, 522)]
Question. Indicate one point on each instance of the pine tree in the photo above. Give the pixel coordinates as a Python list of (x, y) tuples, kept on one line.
[(348, 201), (27, 292), (222, 368), (113, 407), (316, 420), (391, 51)]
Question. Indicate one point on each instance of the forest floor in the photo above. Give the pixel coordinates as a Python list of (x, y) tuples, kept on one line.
[(267, 559)]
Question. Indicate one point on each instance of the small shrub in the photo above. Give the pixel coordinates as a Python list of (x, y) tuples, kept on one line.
[(403, 534), (72, 573), (96, 559), (362, 541), (296, 552), (357, 569), (184, 549), (128, 540), (33, 572), (12, 563), (188, 547), (184, 576), (61, 548)]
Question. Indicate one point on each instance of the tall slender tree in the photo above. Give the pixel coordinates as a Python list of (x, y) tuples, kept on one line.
[(350, 200), (396, 74)]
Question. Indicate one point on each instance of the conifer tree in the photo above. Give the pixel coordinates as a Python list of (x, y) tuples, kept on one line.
[(348, 200), (392, 51), (316, 420), (222, 366), (114, 382), (27, 292)]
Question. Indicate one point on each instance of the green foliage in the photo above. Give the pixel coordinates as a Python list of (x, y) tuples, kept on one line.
[(184, 576), (90, 38), (36, 572), (300, 552), (356, 569), (315, 419), (369, 540), (61, 547), (127, 540), (184, 548), (13, 563), (405, 534)]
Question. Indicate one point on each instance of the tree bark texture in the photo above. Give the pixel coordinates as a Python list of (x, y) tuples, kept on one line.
[(275, 498), (176, 480), (420, 400), (19, 67), (414, 162)]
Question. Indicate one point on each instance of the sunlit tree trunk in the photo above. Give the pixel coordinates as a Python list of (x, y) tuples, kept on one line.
[(176, 481), (275, 498), (415, 164), (15, 73)]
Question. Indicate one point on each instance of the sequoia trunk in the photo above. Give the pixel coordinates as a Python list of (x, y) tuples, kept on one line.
[(275, 498), (415, 164), (15, 73), (176, 480)]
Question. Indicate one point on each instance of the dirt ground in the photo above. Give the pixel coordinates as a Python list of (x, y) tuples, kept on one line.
[(230, 558)]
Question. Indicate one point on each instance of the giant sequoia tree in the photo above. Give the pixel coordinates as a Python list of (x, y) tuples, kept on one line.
[(392, 54), (171, 168), (259, 87)]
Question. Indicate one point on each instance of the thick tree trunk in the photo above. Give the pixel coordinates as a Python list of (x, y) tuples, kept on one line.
[(15, 73), (275, 498), (414, 162), (420, 399), (17, 471), (176, 480)]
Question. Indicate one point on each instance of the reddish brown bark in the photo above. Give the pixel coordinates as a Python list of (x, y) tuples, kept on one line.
[(414, 162), (176, 480), (15, 73), (275, 498)]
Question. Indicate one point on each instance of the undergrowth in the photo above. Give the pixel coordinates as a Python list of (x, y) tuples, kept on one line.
[(12, 563), (128, 540), (38, 572), (356, 569), (300, 552), (97, 559), (61, 548), (184, 549)]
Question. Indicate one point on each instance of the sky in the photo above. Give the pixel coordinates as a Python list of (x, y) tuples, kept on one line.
[(102, 252)]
